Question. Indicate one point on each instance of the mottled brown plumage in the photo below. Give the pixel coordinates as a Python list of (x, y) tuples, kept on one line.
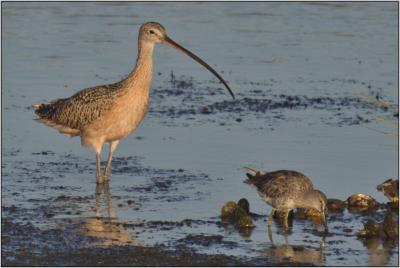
[(285, 190), (108, 113)]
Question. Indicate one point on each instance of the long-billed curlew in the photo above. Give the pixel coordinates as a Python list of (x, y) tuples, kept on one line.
[(285, 190), (108, 113)]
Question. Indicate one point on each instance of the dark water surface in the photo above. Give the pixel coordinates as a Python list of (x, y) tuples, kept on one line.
[(301, 73)]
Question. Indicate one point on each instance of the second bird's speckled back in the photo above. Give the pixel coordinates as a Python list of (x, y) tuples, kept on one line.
[(280, 184)]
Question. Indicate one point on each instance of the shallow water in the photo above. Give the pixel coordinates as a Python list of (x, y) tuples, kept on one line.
[(300, 72)]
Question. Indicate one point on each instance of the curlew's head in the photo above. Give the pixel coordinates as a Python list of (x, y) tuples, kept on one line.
[(317, 200), (154, 32)]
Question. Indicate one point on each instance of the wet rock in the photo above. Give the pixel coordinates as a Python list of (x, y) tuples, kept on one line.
[(335, 205), (372, 229), (244, 204), (228, 209), (242, 219), (231, 212), (361, 203), (245, 232), (390, 189), (205, 110), (311, 214)]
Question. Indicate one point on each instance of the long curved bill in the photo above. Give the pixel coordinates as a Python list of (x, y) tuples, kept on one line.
[(172, 43)]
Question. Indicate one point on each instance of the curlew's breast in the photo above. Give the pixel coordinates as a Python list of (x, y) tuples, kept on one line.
[(124, 117)]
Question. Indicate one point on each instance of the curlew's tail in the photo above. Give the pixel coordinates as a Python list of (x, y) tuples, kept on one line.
[(253, 173), (36, 106), (47, 114)]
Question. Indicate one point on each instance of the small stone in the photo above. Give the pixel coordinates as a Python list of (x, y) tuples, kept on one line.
[(205, 110), (244, 204), (311, 214), (242, 218), (228, 209), (361, 202)]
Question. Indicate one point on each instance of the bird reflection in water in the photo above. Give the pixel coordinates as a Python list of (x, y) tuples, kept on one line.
[(295, 254), (109, 231), (378, 251)]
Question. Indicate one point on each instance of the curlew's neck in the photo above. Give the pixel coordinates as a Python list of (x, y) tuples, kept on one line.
[(142, 73)]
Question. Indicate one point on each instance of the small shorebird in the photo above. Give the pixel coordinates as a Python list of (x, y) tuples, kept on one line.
[(108, 113), (285, 190)]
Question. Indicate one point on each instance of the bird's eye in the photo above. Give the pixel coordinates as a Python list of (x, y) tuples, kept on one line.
[(151, 32)]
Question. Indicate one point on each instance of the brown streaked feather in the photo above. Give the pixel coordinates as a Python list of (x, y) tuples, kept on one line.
[(71, 114)]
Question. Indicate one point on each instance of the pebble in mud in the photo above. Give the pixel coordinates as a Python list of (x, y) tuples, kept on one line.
[(361, 203)]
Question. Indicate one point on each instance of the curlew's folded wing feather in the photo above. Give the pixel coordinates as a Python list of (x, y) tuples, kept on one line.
[(80, 109)]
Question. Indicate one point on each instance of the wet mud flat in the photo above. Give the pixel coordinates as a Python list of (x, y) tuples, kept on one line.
[(61, 248)]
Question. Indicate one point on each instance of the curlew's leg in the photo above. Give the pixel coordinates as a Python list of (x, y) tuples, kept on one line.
[(99, 175), (270, 218), (285, 220), (113, 146)]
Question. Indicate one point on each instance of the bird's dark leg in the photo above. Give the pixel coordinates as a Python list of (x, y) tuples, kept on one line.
[(270, 219), (270, 216), (270, 234), (113, 146)]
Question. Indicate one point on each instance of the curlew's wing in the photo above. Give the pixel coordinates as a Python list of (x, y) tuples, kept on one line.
[(71, 114)]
